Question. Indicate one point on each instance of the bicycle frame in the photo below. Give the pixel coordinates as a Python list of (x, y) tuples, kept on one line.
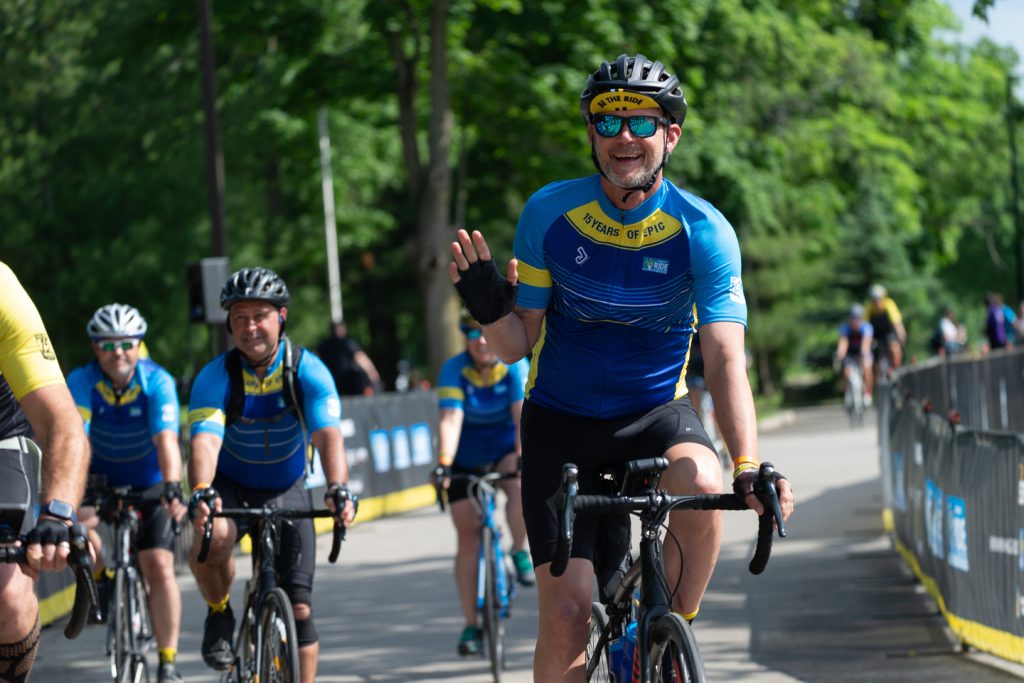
[(484, 498), (262, 582)]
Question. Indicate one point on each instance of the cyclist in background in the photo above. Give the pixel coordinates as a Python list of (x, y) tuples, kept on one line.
[(33, 399), (132, 416), (612, 272), (854, 349), (890, 335), (260, 456), (481, 400)]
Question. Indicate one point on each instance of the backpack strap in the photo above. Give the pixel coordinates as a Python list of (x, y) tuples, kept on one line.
[(293, 395), (236, 387)]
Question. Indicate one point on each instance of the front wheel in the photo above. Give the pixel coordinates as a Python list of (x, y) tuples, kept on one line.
[(494, 627), (279, 646), (598, 661), (674, 657)]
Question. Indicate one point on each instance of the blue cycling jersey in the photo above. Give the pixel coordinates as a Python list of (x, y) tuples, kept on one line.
[(264, 448), (488, 432), (121, 426), (855, 337), (623, 293)]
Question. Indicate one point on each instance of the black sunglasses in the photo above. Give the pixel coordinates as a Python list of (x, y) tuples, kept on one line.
[(610, 125)]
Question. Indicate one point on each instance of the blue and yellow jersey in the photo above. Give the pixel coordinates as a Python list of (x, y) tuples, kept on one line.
[(855, 337), (622, 291), (488, 432), (264, 448), (121, 426)]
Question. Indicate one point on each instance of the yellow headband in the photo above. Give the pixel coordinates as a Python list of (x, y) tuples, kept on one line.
[(621, 100)]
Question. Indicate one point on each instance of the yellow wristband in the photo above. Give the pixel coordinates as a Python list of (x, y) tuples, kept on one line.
[(743, 466), (202, 485)]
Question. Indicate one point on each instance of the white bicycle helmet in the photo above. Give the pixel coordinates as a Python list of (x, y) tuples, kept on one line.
[(115, 321)]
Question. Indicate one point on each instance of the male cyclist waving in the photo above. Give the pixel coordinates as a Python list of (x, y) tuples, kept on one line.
[(614, 273)]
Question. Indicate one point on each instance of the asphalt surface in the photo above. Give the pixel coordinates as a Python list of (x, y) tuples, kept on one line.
[(835, 604)]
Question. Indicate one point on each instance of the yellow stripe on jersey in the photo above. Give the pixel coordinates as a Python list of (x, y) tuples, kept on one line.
[(86, 413), (535, 362), (198, 415), (272, 383), (451, 392), (535, 277), (112, 399), (498, 372), (592, 222), (27, 360)]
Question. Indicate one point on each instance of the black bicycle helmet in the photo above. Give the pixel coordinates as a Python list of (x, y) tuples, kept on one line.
[(636, 75), (254, 284)]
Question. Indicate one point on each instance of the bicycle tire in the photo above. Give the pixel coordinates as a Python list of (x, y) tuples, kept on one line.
[(494, 629), (599, 664), (143, 630), (279, 645), (119, 638), (674, 655)]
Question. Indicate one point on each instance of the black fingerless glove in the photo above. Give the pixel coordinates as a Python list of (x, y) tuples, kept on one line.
[(440, 473), (204, 495), (49, 532), (485, 292), (172, 492), (337, 492)]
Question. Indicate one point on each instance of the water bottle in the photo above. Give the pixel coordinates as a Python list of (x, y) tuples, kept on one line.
[(615, 658), (624, 673)]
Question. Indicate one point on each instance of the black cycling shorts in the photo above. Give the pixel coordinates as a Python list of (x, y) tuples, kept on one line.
[(156, 530), (551, 439), (459, 489), (296, 556), (19, 476)]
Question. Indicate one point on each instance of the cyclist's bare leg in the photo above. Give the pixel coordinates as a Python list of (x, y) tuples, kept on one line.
[(513, 501), (895, 353), (18, 604), (307, 653), (564, 615), (214, 576), (869, 375), (694, 469), (157, 565), (467, 527)]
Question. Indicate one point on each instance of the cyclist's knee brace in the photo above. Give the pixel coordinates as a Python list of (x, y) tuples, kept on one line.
[(16, 659), (305, 631)]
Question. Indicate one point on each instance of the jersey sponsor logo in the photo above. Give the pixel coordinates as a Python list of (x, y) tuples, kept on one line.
[(581, 256), (45, 347), (334, 407), (168, 413), (736, 290), (593, 223), (655, 265)]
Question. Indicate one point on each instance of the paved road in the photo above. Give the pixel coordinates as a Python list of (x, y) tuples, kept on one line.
[(835, 604)]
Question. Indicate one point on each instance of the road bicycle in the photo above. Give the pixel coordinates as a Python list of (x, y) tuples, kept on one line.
[(853, 398), (129, 625), (494, 588), (637, 592), (266, 647), (86, 603)]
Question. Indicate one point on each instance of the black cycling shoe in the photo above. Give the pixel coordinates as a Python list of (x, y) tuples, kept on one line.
[(217, 634), (169, 674)]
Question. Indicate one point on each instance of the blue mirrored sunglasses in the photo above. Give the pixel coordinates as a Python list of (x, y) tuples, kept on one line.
[(610, 125), (473, 333)]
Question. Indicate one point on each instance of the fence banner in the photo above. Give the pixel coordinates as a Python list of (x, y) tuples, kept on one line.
[(957, 505)]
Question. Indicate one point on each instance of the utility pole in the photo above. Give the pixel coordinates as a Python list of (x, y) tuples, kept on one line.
[(1012, 111), (330, 225), (214, 156)]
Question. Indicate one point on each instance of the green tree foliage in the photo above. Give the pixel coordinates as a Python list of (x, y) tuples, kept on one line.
[(847, 141)]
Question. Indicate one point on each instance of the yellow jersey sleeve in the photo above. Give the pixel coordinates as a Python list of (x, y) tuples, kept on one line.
[(894, 312), (27, 359)]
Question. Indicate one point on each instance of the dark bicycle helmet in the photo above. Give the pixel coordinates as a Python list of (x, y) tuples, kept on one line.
[(254, 284), (115, 321), (637, 75)]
